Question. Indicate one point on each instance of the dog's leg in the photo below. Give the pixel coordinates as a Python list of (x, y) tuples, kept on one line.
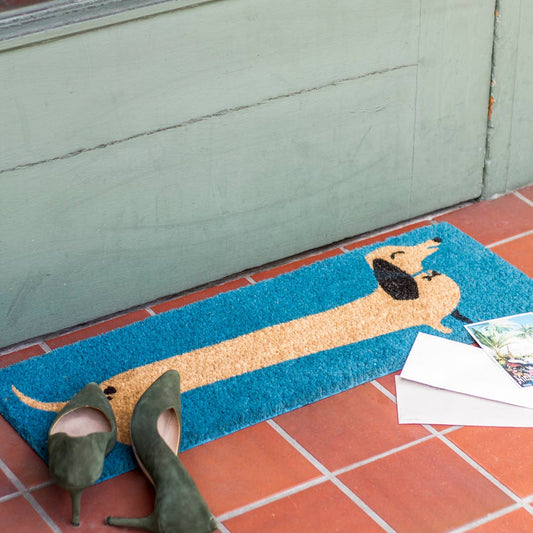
[(441, 327)]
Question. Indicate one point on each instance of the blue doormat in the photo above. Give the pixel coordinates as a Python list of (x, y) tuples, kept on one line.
[(262, 350)]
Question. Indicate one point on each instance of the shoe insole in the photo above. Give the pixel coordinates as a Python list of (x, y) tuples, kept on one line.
[(169, 428), (81, 422)]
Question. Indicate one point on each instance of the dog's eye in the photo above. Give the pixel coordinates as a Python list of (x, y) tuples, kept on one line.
[(396, 253)]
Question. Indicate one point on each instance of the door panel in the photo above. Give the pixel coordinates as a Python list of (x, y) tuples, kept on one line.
[(145, 158)]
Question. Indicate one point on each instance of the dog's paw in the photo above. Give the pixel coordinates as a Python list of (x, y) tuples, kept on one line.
[(443, 329)]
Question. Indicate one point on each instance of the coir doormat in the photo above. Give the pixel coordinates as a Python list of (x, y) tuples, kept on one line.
[(262, 350)]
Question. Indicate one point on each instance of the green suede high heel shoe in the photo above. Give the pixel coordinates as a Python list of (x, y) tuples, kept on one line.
[(155, 436), (80, 437)]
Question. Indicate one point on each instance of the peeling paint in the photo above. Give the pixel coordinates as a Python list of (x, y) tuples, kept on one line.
[(491, 102)]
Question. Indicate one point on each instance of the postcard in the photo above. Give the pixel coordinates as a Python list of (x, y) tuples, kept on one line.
[(509, 343)]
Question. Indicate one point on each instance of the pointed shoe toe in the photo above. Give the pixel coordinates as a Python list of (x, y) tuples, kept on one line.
[(155, 435), (80, 437)]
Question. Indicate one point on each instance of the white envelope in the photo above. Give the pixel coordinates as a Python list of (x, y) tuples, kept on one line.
[(447, 382)]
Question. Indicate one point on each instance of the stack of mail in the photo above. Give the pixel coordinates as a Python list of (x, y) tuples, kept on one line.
[(447, 382)]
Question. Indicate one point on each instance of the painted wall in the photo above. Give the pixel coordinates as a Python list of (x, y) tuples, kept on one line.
[(510, 135), (144, 158)]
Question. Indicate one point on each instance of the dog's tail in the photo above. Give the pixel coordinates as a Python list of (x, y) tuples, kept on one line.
[(461, 317), (36, 404)]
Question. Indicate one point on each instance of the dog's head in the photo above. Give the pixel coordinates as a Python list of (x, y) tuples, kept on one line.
[(395, 267)]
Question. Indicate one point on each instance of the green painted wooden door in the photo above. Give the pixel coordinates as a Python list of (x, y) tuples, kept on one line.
[(510, 134), (144, 158)]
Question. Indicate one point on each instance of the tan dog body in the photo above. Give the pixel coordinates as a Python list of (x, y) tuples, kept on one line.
[(368, 317)]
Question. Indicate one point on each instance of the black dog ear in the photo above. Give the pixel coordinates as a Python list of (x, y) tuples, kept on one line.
[(394, 281)]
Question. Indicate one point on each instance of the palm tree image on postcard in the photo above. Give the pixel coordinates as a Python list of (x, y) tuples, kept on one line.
[(509, 342)]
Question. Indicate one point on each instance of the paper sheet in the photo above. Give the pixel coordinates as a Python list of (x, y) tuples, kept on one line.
[(423, 404), (447, 382), (462, 368)]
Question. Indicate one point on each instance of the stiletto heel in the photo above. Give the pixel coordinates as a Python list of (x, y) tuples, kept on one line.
[(147, 522), (80, 437), (155, 436), (75, 496)]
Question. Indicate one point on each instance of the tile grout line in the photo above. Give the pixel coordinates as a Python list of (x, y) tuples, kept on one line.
[(42, 485), (331, 477), (10, 496), (523, 198), (525, 504), (474, 464), (44, 346), (17, 347), (29, 497), (487, 518), (527, 507), (382, 455), (510, 239), (221, 527), (40, 340), (150, 311), (383, 390), (272, 498), (17, 493), (362, 505), (444, 211)]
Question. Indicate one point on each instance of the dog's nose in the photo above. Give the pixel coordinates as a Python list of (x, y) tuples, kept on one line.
[(437, 239)]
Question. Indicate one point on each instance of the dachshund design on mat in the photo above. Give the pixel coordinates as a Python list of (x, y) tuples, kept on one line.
[(406, 296)]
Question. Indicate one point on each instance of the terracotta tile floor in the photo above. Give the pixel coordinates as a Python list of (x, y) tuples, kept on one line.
[(342, 464)]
